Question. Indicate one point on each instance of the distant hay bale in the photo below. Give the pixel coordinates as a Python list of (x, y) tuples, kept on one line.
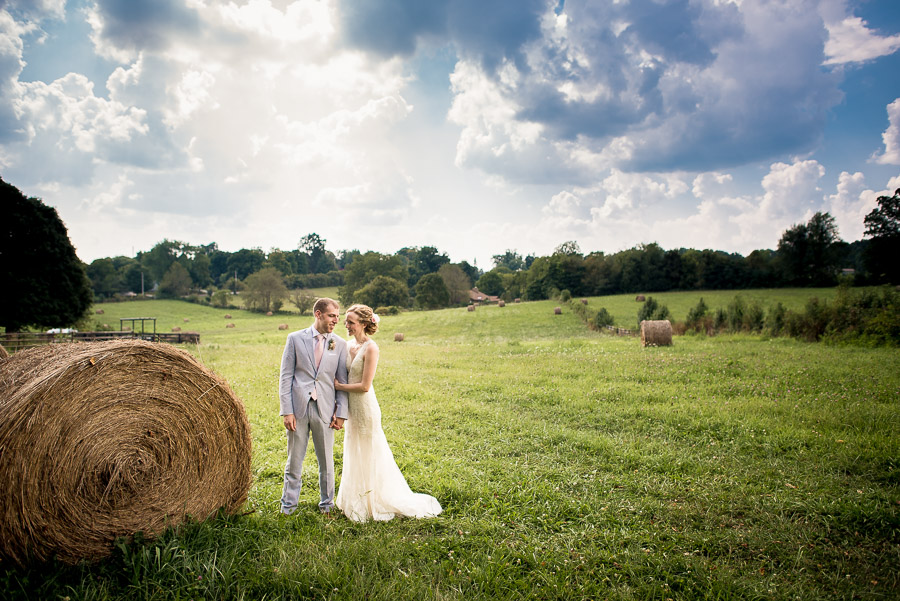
[(470, 308), (176, 329), (99, 311), (518, 300), (229, 325), (640, 298), (268, 314), (584, 301), (557, 310), (104, 439), (656, 332), (3, 352), (186, 319), (228, 316), (501, 303), (398, 337), (283, 326)]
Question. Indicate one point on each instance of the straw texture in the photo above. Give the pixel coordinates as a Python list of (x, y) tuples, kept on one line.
[(3, 353), (656, 332), (104, 439)]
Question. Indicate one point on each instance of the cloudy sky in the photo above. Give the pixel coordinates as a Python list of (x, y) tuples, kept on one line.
[(472, 125)]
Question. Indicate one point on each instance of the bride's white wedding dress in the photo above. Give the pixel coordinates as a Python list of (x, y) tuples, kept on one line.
[(372, 486)]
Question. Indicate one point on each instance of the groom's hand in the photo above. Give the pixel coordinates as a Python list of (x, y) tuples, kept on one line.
[(290, 422), (337, 423)]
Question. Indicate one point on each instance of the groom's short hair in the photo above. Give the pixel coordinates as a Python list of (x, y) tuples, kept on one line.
[(324, 303)]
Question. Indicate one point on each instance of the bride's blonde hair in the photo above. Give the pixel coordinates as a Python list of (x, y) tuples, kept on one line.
[(366, 317)]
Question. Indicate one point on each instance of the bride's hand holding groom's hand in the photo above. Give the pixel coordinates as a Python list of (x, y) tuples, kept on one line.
[(338, 386)]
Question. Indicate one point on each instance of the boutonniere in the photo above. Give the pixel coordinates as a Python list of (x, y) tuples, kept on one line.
[(331, 344)]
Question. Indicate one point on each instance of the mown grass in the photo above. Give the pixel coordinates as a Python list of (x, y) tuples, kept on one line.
[(571, 465)]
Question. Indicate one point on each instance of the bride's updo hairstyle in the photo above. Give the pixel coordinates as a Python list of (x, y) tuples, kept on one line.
[(366, 318)]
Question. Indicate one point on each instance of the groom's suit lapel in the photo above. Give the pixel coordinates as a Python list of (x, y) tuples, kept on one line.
[(309, 341)]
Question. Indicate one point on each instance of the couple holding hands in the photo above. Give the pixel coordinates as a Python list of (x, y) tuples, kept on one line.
[(326, 385)]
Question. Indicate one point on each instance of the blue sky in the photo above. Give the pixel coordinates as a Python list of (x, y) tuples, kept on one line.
[(472, 126)]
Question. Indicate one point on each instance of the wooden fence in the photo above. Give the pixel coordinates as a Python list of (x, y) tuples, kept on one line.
[(16, 341)]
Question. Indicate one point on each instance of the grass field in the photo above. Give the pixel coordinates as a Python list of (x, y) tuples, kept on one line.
[(571, 465)]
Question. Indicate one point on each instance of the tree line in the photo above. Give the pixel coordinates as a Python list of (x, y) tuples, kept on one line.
[(808, 254)]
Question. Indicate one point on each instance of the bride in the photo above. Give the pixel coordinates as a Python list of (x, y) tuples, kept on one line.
[(372, 486)]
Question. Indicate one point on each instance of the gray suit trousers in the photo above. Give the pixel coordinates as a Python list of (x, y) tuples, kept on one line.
[(297, 442)]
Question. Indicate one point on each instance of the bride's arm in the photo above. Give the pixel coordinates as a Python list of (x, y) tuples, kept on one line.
[(368, 375)]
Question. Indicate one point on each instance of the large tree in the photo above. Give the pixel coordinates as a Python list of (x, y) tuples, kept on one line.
[(365, 268), (383, 291), (44, 282), (265, 290), (883, 227), (431, 293), (457, 283), (806, 252)]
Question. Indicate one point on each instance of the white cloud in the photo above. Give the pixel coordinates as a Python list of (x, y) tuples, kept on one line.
[(850, 204), (851, 41), (891, 137)]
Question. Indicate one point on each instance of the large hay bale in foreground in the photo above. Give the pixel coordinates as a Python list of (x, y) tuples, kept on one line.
[(104, 439), (656, 332)]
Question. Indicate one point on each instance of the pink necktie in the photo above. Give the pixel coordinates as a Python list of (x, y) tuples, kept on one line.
[(320, 349)]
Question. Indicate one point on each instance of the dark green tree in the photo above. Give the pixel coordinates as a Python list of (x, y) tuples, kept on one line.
[(510, 259), (365, 268), (176, 282), (264, 290), (383, 291), (105, 281), (44, 282), (490, 283), (883, 227), (244, 262), (431, 293), (806, 252), (457, 283)]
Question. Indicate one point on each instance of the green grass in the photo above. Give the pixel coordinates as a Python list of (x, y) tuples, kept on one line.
[(571, 465)]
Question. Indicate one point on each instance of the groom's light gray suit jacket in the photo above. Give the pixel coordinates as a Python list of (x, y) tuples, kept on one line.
[(299, 375)]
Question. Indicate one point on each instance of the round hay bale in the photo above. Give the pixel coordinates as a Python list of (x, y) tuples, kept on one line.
[(104, 439), (656, 332), (501, 303), (229, 325), (3, 352), (640, 298), (268, 314), (470, 308), (186, 319), (176, 329), (584, 301), (557, 310), (228, 316), (518, 300), (99, 311), (283, 326), (398, 337)]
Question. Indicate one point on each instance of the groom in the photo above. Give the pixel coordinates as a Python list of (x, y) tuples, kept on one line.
[(312, 359)]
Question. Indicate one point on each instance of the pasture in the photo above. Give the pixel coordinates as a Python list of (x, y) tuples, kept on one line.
[(570, 464)]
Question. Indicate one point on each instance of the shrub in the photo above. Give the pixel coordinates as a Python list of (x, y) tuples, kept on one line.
[(565, 296), (775, 319), (696, 314), (652, 310), (720, 320), (603, 318), (754, 318), (388, 310), (220, 298), (736, 314)]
